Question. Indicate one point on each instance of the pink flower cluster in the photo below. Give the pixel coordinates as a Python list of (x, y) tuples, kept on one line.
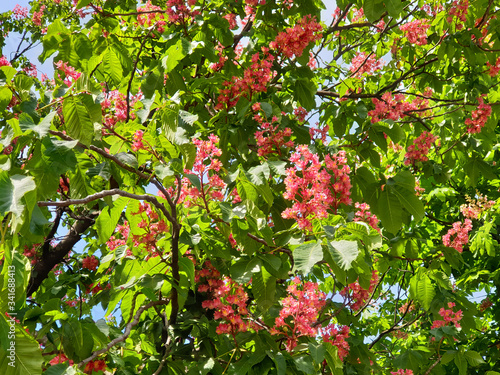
[(91, 263), (147, 17), (416, 31), (493, 69), (458, 10), (31, 70), (300, 113), (358, 296), (114, 108), (395, 108), (363, 214), (337, 337), (137, 144), (20, 12), (269, 139), (154, 227), (317, 133), (119, 238), (402, 372), (177, 12), (206, 160), (255, 79), (315, 189), (417, 152), (69, 72), (97, 365), (448, 317), (299, 313), (180, 12), (4, 61), (363, 63), (479, 117), (485, 304), (32, 253), (295, 39), (231, 18), (228, 299), (60, 358), (37, 16), (475, 207), (461, 233)]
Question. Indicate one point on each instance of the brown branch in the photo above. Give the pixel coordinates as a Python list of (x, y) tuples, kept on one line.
[(106, 193), (245, 30), (128, 329), (56, 255)]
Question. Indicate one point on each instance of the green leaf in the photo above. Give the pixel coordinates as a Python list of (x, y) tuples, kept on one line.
[(243, 270), (332, 359), (422, 290), (264, 288), (343, 252), (305, 91), (22, 358), (373, 9), (78, 120), (394, 7), (474, 358), (5, 97), (307, 255), (317, 352), (461, 363), (108, 219), (111, 66), (389, 211), (173, 55), (76, 344), (410, 202), (128, 159), (12, 190)]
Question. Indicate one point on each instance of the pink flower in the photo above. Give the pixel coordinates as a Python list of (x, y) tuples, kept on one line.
[(363, 63), (458, 12), (418, 151), (315, 188), (4, 61), (366, 216), (479, 117), (416, 31), (20, 12), (137, 144), (494, 69), (402, 372), (295, 39), (337, 337), (301, 309), (461, 233), (358, 296), (91, 263), (37, 16)]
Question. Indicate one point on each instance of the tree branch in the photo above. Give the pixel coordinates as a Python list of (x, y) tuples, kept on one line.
[(54, 256), (128, 329)]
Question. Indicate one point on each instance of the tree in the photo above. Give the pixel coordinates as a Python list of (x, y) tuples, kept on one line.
[(245, 187)]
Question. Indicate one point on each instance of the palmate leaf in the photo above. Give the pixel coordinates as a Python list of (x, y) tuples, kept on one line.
[(389, 211), (264, 288), (12, 190), (343, 252), (78, 121), (307, 255), (27, 357)]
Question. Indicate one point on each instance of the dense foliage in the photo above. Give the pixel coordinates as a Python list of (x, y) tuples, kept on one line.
[(245, 187)]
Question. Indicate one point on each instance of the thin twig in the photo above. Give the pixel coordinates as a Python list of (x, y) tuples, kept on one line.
[(128, 329)]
